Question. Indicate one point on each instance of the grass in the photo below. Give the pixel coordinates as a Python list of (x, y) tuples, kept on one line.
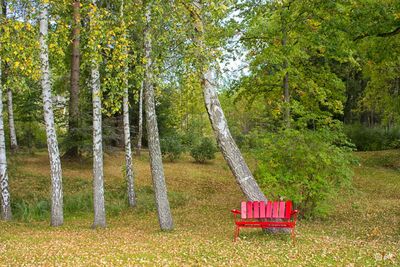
[(364, 230)]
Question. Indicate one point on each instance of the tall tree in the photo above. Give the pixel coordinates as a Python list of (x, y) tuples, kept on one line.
[(225, 141), (127, 133), (73, 116), (157, 171), (98, 176), (5, 194), (52, 144)]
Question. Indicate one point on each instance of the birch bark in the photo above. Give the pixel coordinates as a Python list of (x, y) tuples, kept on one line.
[(140, 130), (127, 134), (11, 124), (225, 141), (157, 171), (5, 193), (52, 144)]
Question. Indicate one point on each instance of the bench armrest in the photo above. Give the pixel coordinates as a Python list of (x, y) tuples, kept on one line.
[(294, 212)]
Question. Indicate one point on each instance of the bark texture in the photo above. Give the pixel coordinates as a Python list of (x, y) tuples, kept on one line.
[(52, 144), (73, 116), (11, 124), (225, 141), (157, 171), (129, 173), (98, 176), (5, 193), (140, 126)]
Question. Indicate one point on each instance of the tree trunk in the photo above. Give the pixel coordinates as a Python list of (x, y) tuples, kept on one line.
[(52, 144), (285, 82), (73, 116), (11, 124), (160, 188), (127, 134), (225, 141), (140, 130), (5, 193)]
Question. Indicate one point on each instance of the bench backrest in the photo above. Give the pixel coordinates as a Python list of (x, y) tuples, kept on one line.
[(266, 210)]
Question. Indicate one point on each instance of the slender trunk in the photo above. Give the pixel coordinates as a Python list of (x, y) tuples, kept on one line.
[(225, 141), (11, 124), (127, 134), (52, 144), (285, 82), (140, 130), (157, 171), (73, 118), (98, 176), (5, 193)]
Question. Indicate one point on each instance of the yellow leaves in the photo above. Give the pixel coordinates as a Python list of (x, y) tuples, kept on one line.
[(314, 24)]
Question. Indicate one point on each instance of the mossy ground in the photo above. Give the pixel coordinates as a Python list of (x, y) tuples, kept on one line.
[(363, 231)]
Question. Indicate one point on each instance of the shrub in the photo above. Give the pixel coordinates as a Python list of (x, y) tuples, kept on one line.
[(308, 167), (376, 138), (171, 147), (204, 151)]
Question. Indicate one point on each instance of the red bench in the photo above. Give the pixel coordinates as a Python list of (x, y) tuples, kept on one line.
[(260, 214)]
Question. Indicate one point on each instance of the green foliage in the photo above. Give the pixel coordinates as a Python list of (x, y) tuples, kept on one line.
[(204, 151), (308, 167), (171, 147), (376, 138)]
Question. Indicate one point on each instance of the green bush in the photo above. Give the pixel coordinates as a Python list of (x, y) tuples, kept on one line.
[(204, 151), (371, 139), (171, 147), (308, 167)]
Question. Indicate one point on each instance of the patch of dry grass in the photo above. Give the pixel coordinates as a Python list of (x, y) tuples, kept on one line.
[(365, 230)]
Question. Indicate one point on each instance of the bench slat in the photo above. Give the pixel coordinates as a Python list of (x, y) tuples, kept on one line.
[(262, 209), (268, 210), (275, 210), (256, 209), (243, 209), (282, 209), (288, 209), (249, 210)]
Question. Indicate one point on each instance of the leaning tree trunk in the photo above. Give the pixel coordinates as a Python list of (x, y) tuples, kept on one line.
[(98, 176), (140, 130), (157, 171), (52, 144), (225, 141), (11, 124), (73, 116), (127, 134)]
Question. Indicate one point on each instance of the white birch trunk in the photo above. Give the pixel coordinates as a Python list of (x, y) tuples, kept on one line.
[(140, 130), (52, 144), (11, 124), (127, 134), (225, 141), (157, 171), (98, 175), (5, 193)]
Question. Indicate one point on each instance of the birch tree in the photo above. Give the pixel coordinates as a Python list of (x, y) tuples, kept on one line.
[(11, 124), (140, 126), (157, 171), (52, 144), (5, 194), (98, 176), (129, 173), (225, 141)]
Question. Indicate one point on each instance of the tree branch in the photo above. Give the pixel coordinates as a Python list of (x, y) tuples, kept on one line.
[(384, 34)]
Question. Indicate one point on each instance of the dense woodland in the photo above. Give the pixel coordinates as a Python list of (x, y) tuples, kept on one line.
[(293, 87)]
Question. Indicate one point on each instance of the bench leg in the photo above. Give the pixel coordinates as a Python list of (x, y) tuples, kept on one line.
[(293, 236), (236, 233)]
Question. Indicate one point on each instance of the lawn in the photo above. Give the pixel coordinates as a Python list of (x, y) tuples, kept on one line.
[(364, 230)]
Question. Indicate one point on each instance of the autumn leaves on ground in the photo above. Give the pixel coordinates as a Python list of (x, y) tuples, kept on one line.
[(364, 230)]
